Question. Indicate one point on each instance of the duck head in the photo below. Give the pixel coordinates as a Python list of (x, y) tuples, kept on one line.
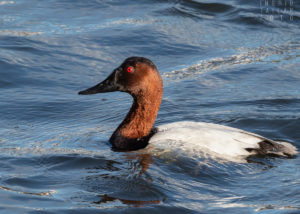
[(136, 76), (139, 77)]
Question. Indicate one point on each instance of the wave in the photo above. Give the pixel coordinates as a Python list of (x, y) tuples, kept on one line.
[(245, 56), (251, 14)]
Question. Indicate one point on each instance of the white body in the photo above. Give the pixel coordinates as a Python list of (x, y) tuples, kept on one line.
[(218, 140)]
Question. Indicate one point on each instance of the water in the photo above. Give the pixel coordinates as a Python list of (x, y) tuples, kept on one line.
[(231, 62)]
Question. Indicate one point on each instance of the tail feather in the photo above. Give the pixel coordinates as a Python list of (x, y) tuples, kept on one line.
[(268, 147), (288, 149)]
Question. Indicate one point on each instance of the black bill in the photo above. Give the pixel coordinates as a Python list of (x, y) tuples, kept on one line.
[(108, 85)]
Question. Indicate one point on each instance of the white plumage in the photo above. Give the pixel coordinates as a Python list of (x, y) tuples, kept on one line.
[(223, 141)]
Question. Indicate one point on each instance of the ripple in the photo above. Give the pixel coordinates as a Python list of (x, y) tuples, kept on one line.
[(18, 33), (276, 207), (6, 2), (190, 8), (245, 56), (43, 194), (253, 20)]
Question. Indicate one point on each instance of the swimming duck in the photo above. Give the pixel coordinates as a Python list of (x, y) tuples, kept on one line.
[(139, 77)]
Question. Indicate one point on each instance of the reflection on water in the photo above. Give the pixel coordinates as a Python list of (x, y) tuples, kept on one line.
[(107, 199)]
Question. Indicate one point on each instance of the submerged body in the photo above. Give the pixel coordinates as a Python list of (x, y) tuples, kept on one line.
[(140, 78)]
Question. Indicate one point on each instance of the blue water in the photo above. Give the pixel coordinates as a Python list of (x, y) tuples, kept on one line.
[(232, 62)]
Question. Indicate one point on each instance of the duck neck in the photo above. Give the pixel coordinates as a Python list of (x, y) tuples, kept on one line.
[(138, 123)]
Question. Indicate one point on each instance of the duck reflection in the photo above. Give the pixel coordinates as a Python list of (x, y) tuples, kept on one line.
[(126, 182), (141, 162), (137, 203)]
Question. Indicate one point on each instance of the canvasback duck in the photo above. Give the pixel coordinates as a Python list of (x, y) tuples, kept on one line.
[(139, 77)]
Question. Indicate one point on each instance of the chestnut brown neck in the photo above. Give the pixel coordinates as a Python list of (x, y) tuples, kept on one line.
[(141, 117), (138, 123)]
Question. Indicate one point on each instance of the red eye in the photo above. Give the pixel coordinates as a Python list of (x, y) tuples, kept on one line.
[(130, 69)]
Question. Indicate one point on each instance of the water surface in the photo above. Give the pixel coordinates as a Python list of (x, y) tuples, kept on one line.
[(231, 62)]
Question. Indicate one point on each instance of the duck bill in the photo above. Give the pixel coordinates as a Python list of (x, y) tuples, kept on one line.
[(108, 85)]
